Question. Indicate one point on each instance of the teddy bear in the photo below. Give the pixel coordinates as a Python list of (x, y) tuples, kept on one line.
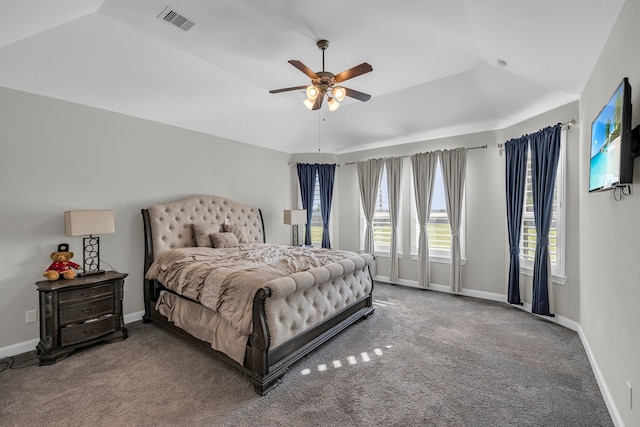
[(62, 264)]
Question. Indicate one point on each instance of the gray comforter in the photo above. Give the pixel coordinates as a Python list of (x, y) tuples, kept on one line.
[(226, 280)]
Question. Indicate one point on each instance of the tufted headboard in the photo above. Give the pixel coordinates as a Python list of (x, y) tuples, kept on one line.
[(169, 226)]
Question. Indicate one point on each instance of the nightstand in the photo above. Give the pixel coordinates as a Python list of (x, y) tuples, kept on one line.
[(79, 312)]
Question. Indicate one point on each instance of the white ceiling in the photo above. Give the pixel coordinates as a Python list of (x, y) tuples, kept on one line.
[(434, 63)]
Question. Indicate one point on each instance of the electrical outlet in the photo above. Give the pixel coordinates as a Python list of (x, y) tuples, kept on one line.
[(31, 316), (630, 395)]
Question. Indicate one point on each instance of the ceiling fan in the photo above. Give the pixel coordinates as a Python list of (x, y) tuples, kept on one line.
[(326, 83)]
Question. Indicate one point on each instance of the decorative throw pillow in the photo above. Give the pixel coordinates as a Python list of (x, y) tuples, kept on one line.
[(224, 240), (202, 231), (239, 230)]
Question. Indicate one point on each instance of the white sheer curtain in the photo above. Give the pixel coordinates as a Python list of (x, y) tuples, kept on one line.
[(369, 174), (454, 164), (394, 179), (424, 170)]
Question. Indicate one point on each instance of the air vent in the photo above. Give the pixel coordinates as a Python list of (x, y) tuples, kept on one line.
[(173, 17)]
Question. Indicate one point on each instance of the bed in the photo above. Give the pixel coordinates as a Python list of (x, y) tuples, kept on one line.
[(259, 307)]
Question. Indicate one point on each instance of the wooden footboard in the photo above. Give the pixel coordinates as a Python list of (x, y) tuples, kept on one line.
[(268, 363)]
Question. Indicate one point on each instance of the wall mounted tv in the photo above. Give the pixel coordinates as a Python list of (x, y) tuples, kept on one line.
[(611, 161)]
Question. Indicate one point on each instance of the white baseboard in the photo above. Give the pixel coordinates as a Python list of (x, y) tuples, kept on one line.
[(604, 389), (443, 288), (22, 347), (560, 320), (27, 346), (133, 317)]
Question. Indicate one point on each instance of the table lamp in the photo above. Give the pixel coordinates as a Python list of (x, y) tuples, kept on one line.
[(295, 217), (87, 223)]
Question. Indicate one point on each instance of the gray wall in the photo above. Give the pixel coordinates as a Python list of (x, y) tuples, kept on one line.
[(58, 156), (610, 232)]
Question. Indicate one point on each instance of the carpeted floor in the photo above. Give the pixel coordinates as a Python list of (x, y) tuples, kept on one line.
[(425, 358)]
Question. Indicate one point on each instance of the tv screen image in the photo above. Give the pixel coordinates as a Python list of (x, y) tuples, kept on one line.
[(611, 163)]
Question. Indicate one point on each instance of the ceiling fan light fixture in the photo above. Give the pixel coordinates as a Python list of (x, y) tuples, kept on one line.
[(333, 104), (308, 103), (339, 93), (312, 92), (323, 83)]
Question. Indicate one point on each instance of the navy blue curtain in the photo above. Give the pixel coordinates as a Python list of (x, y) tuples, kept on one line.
[(516, 159), (545, 153), (307, 179), (326, 175)]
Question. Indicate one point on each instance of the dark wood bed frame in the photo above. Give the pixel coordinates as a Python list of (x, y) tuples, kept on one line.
[(265, 367)]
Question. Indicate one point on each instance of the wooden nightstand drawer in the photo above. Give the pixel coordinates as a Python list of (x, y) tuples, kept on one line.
[(87, 331), (86, 310), (84, 293), (79, 312)]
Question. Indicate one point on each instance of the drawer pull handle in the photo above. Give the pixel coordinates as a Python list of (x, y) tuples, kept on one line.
[(89, 310), (92, 331), (87, 294)]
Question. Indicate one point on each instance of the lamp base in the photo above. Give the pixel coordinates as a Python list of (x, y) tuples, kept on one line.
[(296, 241), (91, 255)]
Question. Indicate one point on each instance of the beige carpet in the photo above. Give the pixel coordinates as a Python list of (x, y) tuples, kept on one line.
[(425, 358)]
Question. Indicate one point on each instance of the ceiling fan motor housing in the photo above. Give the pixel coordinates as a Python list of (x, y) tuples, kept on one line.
[(325, 81)]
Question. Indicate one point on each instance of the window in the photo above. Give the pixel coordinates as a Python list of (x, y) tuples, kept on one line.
[(438, 225), (316, 216), (315, 227), (381, 217), (556, 232), (382, 220)]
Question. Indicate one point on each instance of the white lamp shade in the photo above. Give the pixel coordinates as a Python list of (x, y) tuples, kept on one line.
[(312, 92), (295, 216), (308, 103), (339, 93), (89, 222), (333, 104)]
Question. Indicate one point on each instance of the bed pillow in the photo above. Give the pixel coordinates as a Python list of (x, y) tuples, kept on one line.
[(240, 232), (202, 232), (224, 240)]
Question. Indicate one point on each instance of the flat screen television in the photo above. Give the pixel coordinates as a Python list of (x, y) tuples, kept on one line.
[(611, 162)]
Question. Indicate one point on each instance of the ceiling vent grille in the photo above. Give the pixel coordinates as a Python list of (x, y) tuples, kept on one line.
[(173, 17)]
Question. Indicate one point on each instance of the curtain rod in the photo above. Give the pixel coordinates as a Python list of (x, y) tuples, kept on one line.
[(295, 164), (565, 126), (568, 125), (406, 157)]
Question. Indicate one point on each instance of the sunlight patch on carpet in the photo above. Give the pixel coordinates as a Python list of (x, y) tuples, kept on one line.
[(351, 360), (381, 303)]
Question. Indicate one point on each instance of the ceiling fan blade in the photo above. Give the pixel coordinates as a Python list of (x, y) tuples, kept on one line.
[(318, 103), (364, 97), (353, 72), (287, 89), (300, 66)]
